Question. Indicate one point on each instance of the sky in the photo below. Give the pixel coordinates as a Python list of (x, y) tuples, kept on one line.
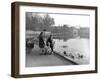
[(77, 20), (71, 20)]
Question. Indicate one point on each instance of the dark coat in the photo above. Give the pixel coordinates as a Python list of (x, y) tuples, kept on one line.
[(49, 40), (41, 42)]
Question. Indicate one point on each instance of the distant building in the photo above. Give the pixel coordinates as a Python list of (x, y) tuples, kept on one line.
[(75, 32), (84, 32)]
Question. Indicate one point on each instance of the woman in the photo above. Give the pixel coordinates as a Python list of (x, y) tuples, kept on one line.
[(41, 42)]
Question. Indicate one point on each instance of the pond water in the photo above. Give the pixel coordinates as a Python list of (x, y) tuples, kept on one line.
[(74, 46)]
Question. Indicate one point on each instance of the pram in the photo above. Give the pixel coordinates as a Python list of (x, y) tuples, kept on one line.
[(46, 50)]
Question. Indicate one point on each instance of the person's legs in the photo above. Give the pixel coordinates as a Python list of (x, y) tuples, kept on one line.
[(51, 49)]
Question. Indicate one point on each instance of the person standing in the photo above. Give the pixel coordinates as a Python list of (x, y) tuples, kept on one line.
[(41, 42)]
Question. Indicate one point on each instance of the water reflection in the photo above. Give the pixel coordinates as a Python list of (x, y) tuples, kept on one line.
[(77, 47)]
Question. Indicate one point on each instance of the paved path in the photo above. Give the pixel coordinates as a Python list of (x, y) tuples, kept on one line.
[(45, 60)]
